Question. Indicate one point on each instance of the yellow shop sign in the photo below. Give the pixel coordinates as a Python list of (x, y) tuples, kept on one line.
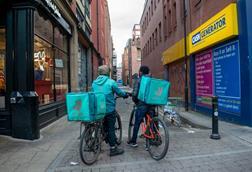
[(220, 27)]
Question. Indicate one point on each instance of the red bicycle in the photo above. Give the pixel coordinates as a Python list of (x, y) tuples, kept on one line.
[(155, 132)]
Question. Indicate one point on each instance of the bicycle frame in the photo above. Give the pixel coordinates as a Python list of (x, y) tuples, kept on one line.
[(146, 128)]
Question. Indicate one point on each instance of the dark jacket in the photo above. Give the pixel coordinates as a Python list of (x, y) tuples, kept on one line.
[(136, 88)]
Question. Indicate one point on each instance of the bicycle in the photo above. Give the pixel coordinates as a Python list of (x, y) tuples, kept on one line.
[(93, 136), (172, 110), (156, 133)]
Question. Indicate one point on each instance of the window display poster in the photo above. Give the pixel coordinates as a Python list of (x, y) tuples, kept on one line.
[(204, 78), (217, 72), (227, 77)]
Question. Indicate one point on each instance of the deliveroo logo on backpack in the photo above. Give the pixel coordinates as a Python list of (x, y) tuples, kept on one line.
[(77, 106), (102, 106), (159, 91)]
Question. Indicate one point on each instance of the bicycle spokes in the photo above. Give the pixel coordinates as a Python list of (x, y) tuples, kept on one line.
[(158, 144)]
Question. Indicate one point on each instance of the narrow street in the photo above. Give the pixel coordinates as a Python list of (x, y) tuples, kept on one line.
[(190, 150)]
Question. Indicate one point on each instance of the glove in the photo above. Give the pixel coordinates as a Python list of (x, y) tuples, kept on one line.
[(126, 96)]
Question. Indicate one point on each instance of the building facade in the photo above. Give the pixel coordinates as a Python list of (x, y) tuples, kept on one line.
[(119, 73), (53, 55), (204, 49), (114, 66), (35, 65), (125, 67), (132, 53), (152, 36), (101, 33)]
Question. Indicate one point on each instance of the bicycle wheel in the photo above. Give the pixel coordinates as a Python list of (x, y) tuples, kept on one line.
[(90, 144), (158, 146), (131, 124), (118, 129)]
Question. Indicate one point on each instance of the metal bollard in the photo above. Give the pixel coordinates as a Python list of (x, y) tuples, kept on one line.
[(215, 133)]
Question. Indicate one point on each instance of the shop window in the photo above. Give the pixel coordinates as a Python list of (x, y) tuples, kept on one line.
[(2, 68), (60, 40), (43, 70), (43, 27), (61, 75)]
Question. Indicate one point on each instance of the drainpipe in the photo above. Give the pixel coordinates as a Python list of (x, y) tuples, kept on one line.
[(185, 59), (97, 20)]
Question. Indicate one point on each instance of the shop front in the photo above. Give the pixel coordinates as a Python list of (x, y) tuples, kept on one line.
[(34, 58), (216, 66), (174, 61)]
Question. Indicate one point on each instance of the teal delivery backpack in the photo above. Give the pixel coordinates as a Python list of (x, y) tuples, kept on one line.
[(153, 91), (85, 107)]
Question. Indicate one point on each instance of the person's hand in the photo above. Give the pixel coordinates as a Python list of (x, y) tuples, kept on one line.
[(126, 96)]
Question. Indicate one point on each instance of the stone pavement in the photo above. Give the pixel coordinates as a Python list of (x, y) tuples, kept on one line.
[(33, 156), (190, 149)]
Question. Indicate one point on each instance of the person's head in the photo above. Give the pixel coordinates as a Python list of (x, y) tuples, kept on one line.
[(103, 70), (144, 70)]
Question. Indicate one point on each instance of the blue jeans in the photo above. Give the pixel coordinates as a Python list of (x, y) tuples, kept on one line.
[(139, 116)]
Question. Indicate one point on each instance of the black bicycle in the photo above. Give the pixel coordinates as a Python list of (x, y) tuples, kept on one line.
[(93, 136), (155, 131)]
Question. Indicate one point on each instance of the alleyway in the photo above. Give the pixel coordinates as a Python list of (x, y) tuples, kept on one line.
[(190, 150)]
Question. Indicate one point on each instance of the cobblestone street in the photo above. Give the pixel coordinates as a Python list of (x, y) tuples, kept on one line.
[(190, 150)]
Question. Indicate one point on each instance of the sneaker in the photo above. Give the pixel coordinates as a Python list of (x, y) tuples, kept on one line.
[(115, 151), (141, 136), (132, 144)]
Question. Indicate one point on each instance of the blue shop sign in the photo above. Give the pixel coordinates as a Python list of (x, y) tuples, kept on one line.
[(227, 85)]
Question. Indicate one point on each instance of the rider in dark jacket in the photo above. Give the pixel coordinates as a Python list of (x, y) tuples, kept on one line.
[(142, 108)]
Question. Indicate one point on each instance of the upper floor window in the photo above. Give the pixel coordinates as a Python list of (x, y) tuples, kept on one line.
[(87, 8), (160, 31), (174, 14), (152, 7), (195, 3), (156, 37), (149, 14), (165, 21)]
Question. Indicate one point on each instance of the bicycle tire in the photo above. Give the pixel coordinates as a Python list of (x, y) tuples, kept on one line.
[(131, 124), (119, 128), (166, 139), (87, 141)]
